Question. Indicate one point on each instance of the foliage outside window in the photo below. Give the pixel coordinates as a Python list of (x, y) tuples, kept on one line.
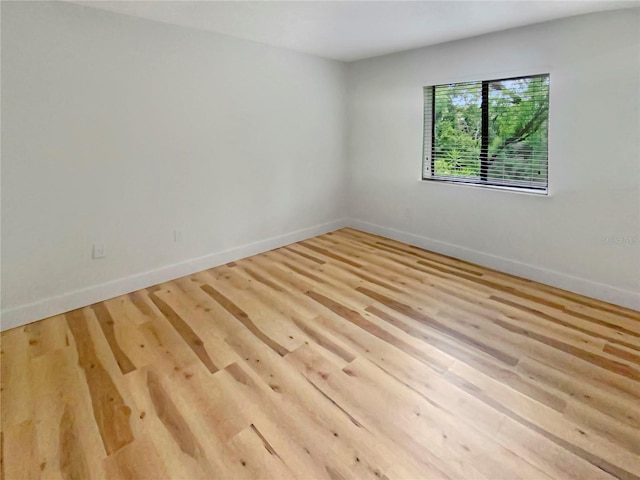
[(492, 132)]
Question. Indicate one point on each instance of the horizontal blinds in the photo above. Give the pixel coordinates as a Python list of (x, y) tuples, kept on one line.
[(514, 150)]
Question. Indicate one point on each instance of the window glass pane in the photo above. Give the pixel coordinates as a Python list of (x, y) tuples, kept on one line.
[(518, 120), (457, 133)]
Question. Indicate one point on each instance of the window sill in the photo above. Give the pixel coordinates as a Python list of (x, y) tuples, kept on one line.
[(526, 191)]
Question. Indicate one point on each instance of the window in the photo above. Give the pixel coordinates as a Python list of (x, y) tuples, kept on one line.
[(492, 132)]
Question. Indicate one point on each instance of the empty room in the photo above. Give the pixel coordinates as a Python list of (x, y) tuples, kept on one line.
[(320, 240)]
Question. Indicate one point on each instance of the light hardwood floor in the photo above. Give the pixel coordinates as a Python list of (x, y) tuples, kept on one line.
[(343, 356)]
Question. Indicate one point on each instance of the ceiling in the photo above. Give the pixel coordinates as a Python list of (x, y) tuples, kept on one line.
[(353, 30)]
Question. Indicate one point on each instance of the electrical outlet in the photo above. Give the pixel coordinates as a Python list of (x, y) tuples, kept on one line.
[(99, 250), (177, 235)]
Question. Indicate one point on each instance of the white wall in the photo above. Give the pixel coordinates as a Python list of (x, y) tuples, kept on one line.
[(120, 130), (594, 155)]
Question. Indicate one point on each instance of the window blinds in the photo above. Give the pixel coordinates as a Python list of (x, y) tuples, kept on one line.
[(491, 132)]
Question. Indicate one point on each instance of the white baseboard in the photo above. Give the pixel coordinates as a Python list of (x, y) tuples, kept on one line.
[(48, 307), (579, 285)]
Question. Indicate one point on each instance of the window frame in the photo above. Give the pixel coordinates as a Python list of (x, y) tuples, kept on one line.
[(467, 181)]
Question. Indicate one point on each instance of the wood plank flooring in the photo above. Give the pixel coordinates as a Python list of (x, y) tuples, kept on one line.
[(343, 356)]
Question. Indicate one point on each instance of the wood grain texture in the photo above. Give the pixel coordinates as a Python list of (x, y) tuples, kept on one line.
[(107, 324), (110, 411), (347, 355)]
